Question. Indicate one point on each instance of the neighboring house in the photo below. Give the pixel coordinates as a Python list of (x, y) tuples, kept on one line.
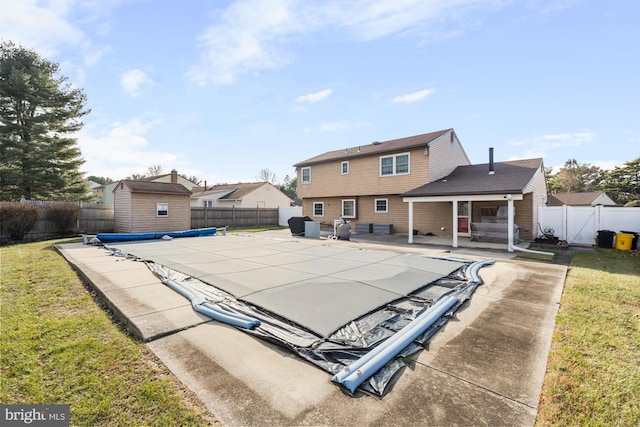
[(95, 190), (107, 190), (475, 193), (174, 177), (142, 206), (241, 195), (364, 183), (423, 183), (591, 198)]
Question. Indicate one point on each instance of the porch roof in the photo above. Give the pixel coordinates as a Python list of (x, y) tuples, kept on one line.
[(511, 177)]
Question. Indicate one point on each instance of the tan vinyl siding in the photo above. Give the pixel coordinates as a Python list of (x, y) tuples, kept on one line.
[(538, 191), (445, 155), (363, 178), (144, 215), (430, 217), (122, 210), (137, 212)]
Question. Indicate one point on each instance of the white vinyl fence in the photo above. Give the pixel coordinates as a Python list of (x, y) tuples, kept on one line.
[(287, 212), (579, 225)]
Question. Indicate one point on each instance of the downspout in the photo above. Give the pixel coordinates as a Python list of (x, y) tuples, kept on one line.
[(410, 222), (454, 205), (510, 221)]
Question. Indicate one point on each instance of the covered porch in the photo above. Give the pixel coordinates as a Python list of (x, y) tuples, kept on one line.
[(458, 220)]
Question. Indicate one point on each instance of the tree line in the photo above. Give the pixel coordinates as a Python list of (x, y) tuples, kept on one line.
[(621, 183)]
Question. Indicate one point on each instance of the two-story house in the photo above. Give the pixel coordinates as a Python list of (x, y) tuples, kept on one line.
[(364, 183), (421, 183)]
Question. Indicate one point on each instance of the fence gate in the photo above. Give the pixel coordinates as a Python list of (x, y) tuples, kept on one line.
[(579, 225)]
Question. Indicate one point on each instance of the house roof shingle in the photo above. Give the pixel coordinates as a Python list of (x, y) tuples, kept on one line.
[(510, 177), (155, 187), (236, 191), (375, 148), (574, 199)]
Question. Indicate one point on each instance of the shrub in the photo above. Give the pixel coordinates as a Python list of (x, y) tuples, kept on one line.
[(63, 216), (17, 219), (633, 204)]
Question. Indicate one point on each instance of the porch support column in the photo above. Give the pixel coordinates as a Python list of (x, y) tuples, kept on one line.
[(510, 213), (410, 222), (454, 205)]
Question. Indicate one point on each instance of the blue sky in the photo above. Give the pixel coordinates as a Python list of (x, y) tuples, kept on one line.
[(223, 89)]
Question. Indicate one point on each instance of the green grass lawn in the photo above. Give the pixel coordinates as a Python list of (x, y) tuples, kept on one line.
[(593, 372), (58, 345)]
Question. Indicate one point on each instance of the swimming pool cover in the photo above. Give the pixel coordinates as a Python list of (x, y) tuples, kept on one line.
[(330, 304)]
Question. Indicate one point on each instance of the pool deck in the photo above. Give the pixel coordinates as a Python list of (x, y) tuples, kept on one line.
[(485, 367)]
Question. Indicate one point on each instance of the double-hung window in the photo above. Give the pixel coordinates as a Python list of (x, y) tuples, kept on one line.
[(344, 168), (318, 208), (381, 205), (397, 164), (162, 210), (306, 175), (349, 208)]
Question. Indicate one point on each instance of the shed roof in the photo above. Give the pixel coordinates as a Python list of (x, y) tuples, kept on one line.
[(375, 148), (155, 187), (509, 177)]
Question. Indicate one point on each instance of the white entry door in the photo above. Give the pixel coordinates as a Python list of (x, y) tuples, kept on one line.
[(464, 219)]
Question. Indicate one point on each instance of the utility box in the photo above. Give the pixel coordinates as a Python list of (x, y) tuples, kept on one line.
[(383, 228), (312, 229), (364, 227)]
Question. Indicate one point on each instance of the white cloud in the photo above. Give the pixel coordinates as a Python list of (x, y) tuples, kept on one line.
[(246, 41), (122, 151), (315, 97), (553, 143), (547, 142), (43, 27), (336, 126), (251, 36), (132, 80), (413, 97)]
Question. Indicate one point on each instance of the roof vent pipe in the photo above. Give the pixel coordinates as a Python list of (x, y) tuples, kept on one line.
[(491, 170)]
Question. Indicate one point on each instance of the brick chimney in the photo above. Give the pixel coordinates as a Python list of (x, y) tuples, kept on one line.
[(174, 176)]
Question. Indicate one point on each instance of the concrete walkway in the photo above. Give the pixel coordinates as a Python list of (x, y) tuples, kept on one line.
[(486, 367)]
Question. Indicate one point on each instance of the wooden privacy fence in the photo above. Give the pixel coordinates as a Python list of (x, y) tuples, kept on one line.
[(93, 218), (202, 217), (96, 218)]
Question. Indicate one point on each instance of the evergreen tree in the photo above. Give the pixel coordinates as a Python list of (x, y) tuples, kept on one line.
[(289, 187), (38, 113), (622, 184), (575, 177)]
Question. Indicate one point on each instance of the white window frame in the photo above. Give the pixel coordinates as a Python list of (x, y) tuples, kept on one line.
[(302, 180), (343, 170), (386, 205), (162, 207), (395, 164), (354, 208), (321, 204)]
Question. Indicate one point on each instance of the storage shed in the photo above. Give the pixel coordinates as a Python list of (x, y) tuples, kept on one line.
[(141, 206)]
